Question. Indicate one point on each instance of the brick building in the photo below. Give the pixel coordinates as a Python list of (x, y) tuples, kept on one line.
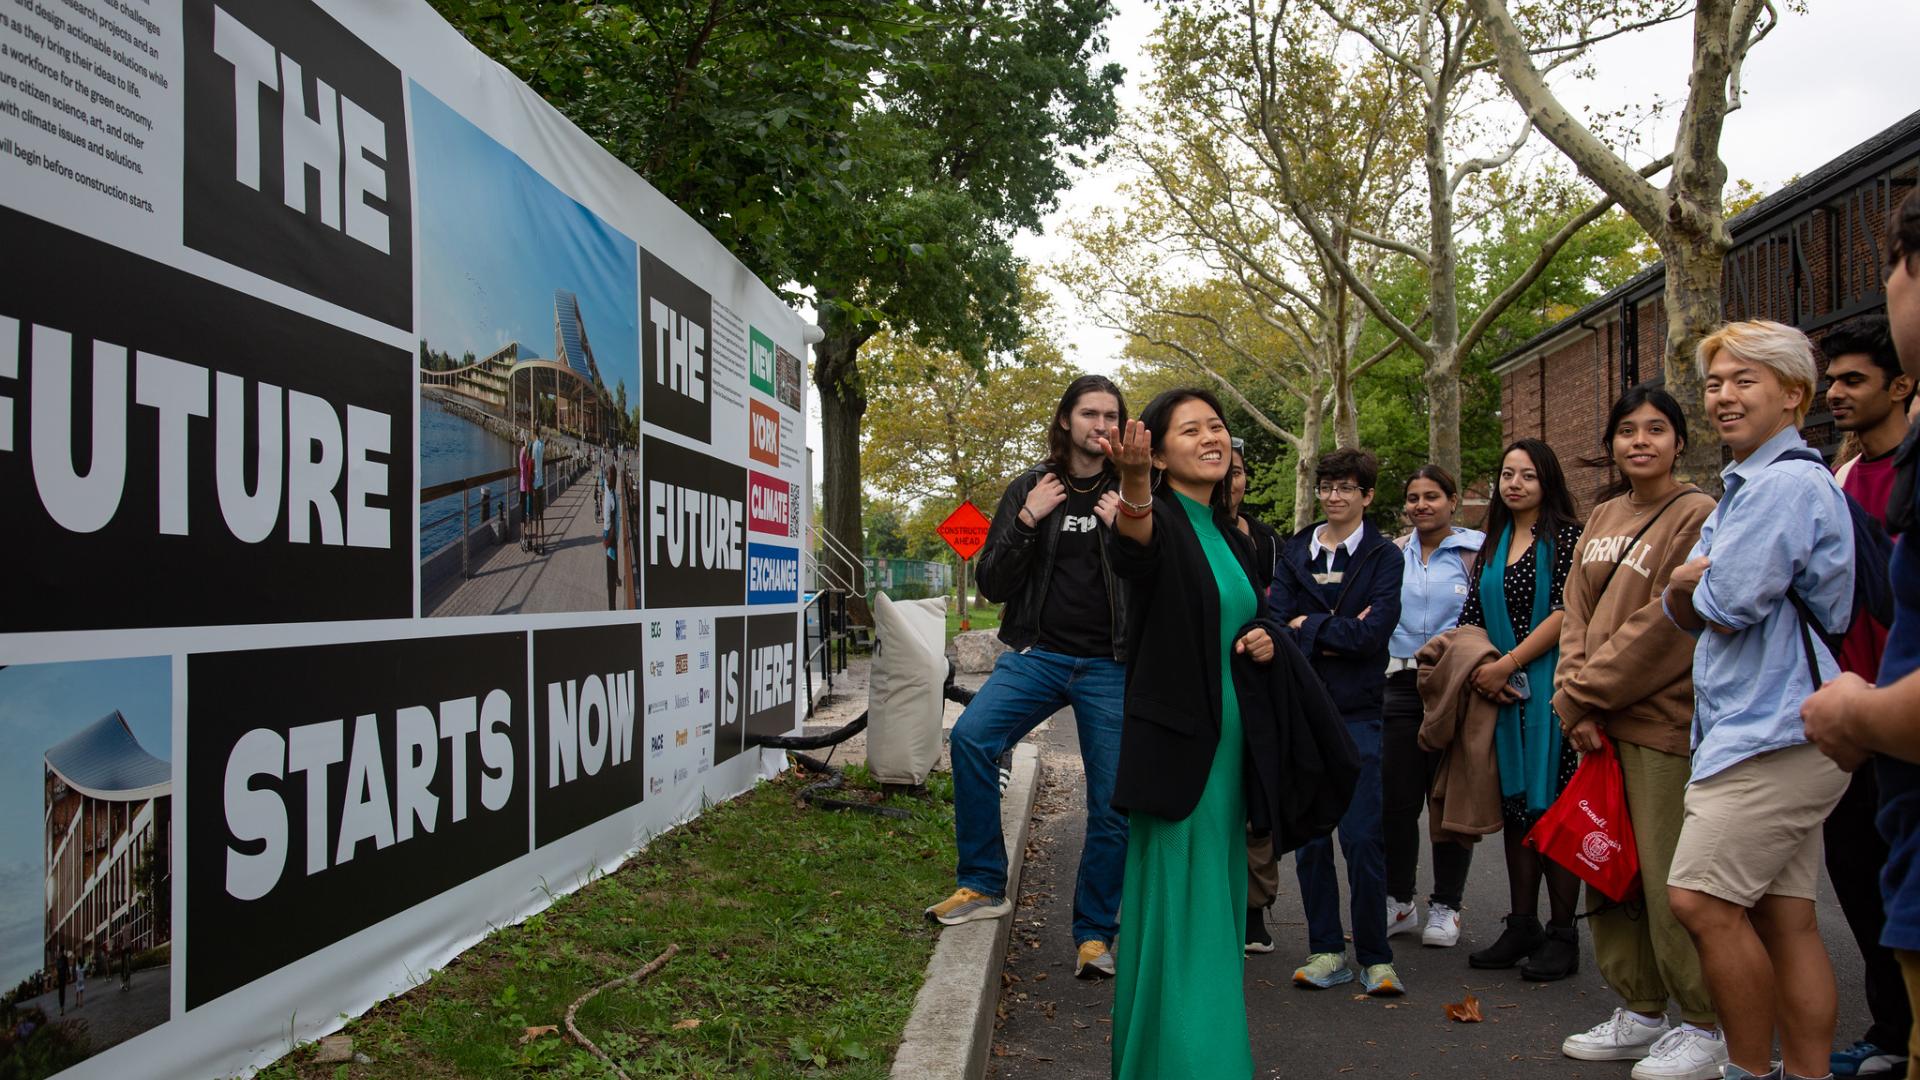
[(1809, 255)]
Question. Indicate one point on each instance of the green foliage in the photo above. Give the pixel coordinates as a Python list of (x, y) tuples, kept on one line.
[(737, 110), (799, 958)]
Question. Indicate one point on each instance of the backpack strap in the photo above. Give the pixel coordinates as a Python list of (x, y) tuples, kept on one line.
[(1809, 624)]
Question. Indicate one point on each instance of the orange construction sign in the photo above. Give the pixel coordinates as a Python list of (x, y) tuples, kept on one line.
[(965, 530)]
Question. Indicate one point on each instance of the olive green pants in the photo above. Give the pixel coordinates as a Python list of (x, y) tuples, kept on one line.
[(1643, 951)]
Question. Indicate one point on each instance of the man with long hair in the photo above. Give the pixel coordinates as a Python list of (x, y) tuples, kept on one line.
[(1048, 560)]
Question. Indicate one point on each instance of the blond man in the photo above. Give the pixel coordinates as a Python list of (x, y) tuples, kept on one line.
[(1778, 549)]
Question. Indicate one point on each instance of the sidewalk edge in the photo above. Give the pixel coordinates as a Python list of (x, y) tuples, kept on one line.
[(950, 1033)]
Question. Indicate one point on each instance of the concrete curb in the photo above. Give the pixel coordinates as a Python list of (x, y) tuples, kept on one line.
[(950, 1033)]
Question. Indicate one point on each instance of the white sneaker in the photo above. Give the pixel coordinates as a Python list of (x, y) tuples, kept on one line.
[(1401, 918), (1683, 1053), (1620, 1038), (1443, 927)]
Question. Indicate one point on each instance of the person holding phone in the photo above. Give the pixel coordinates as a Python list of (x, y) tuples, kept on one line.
[(1519, 581)]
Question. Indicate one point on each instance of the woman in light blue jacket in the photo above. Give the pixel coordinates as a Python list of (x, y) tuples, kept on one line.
[(1436, 561)]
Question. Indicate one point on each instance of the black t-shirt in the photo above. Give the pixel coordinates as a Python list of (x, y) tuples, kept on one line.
[(1076, 618)]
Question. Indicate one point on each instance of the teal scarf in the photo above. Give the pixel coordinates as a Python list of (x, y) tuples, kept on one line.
[(1527, 738)]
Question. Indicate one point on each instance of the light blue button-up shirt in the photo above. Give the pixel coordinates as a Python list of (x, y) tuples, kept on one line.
[(1432, 593), (1778, 524)]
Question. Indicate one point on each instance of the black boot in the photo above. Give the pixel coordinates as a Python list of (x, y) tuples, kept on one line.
[(1556, 958), (1258, 939), (1516, 943)]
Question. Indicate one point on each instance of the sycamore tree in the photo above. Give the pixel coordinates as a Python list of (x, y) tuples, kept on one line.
[(1209, 268), (1686, 216), (1444, 60), (969, 134), (942, 430)]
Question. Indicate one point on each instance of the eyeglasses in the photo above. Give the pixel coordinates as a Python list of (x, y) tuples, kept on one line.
[(1347, 490)]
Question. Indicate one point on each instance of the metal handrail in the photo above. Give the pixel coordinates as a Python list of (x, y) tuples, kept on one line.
[(857, 567)]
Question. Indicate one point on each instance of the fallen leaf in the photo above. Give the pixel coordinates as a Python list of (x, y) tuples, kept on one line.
[(688, 1024), (1465, 1012), (535, 1032)]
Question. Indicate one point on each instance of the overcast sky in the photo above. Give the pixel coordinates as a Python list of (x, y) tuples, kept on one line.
[(1821, 83)]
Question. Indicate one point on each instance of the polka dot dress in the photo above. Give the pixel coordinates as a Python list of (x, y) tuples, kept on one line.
[(1517, 583)]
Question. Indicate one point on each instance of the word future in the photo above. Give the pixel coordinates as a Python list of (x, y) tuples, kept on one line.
[(315, 442)]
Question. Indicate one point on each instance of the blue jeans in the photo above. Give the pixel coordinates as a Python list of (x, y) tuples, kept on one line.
[(1363, 842), (1024, 689)]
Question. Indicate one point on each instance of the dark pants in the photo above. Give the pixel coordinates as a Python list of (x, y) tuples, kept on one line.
[(1359, 834), (1406, 775), (613, 584), (1856, 853)]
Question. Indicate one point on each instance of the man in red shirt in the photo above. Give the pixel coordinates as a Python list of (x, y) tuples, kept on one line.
[(1869, 395)]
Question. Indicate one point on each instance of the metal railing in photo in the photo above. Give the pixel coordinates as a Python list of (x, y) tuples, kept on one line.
[(561, 473)]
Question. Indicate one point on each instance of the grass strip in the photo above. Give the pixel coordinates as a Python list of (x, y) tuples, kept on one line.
[(802, 947)]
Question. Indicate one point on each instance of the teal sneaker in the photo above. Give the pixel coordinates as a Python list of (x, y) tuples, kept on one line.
[(1383, 981), (1323, 970)]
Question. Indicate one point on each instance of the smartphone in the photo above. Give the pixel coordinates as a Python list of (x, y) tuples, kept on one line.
[(1518, 684)]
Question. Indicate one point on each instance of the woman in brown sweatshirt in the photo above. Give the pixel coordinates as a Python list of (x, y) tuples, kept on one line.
[(1626, 672)]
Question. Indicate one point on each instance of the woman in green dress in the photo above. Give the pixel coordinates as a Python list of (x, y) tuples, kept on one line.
[(1179, 1009)]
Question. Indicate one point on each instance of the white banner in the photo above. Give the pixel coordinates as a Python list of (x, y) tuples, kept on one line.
[(403, 505)]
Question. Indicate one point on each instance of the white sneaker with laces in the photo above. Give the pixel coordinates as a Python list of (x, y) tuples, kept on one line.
[(1443, 927), (1622, 1037), (1402, 918), (1684, 1053)]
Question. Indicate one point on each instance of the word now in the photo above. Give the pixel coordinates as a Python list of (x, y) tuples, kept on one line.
[(258, 815), (302, 442), (589, 725)]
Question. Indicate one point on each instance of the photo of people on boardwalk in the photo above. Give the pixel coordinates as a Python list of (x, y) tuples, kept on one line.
[(91, 908), (529, 379)]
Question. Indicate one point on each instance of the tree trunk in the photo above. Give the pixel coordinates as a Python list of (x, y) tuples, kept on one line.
[(1692, 300), (843, 401), (1346, 413), (1313, 420), (1442, 372), (1443, 414)]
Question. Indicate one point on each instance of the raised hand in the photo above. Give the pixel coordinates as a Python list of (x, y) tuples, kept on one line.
[(1132, 453)]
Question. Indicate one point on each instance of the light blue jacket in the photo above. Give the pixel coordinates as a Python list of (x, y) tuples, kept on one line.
[(1778, 525), (1432, 593)]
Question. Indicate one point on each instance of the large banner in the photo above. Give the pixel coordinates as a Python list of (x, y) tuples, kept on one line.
[(404, 504)]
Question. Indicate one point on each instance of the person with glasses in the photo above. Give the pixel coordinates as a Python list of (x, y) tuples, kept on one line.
[(1336, 588)]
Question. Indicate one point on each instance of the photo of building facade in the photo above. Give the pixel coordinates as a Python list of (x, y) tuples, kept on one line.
[(108, 806)]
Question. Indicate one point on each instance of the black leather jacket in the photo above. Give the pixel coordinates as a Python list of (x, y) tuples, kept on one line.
[(1017, 562)]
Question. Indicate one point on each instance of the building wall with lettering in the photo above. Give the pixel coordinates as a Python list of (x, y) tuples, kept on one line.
[(404, 503)]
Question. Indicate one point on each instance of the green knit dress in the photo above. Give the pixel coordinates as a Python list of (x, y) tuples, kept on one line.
[(1179, 1009)]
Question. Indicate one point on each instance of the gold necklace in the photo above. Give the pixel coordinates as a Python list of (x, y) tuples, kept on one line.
[(1098, 479)]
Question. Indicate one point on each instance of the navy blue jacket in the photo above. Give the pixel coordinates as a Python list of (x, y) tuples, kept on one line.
[(1347, 652)]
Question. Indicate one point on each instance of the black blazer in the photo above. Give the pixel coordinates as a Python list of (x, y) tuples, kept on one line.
[(1171, 724), (1302, 767)]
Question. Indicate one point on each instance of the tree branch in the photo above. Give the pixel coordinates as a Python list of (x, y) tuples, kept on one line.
[(1601, 164), (1500, 303)]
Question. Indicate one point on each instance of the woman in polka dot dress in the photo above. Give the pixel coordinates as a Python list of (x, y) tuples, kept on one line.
[(1532, 531)]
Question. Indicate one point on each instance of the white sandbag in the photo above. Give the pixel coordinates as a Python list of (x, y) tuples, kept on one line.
[(905, 697)]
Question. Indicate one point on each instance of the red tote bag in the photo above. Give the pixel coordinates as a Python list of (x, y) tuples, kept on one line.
[(1587, 829)]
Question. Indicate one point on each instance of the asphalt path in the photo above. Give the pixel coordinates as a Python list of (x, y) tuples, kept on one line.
[(1055, 1026)]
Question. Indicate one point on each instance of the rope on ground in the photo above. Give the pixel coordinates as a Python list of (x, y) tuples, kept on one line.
[(651, 966)]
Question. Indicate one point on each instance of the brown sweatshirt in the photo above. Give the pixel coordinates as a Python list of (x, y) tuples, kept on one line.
[(1622, 661)]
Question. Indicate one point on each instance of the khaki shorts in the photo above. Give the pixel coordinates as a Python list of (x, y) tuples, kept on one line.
[(1753, 829)]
